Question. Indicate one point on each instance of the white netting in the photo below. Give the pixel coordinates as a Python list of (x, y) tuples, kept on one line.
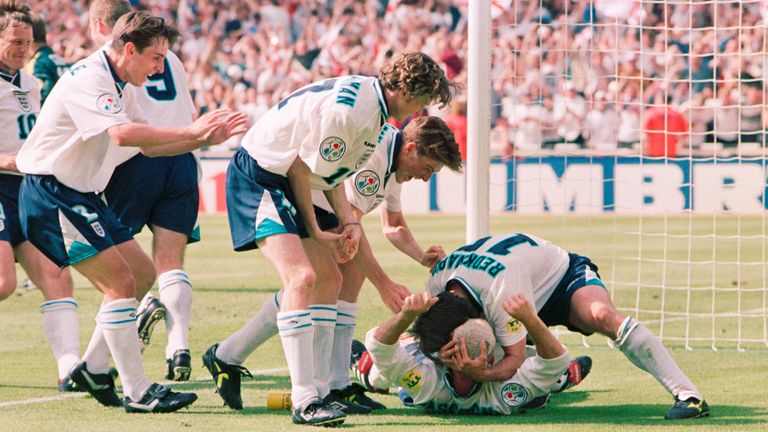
[(640, 127)]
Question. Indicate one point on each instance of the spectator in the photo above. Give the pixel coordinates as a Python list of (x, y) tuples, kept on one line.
[(570, 110), (602, 124), (664, 127), (457, 122)]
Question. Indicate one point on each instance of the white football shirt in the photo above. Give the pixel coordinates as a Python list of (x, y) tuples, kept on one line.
[(70, 139), (402, 364), (19, 109), (332, 125), (375, 183), (494, 268)]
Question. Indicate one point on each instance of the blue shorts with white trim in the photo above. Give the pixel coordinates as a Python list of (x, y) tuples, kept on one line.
[(10, 228)]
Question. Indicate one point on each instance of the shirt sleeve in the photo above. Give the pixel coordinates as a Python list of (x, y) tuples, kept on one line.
[(508, 330), (417, 376), (337, 133), (392, 200), (534, 378), (96, 107)]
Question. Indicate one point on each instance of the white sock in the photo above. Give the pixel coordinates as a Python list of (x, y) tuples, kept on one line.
[(118, 322), (97, 354), (61, 331), (645, 351), (342, 344), (295, 329), (262, 326), (176, 295), (323, 323)]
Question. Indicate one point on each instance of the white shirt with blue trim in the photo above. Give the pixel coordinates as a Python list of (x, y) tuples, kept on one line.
[(19, 110)]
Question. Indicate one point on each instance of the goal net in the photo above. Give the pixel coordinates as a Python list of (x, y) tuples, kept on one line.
[(634, 132)]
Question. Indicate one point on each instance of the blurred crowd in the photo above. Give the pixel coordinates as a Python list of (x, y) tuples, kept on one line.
[(659, 77)]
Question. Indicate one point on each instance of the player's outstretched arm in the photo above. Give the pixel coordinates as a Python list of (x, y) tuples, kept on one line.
[(414, 305), (210, 129), (547, 345), (396, 230)]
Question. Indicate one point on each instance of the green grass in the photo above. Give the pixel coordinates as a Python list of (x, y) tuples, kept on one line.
[(230, 287)]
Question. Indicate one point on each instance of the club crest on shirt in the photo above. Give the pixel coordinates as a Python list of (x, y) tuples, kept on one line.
[(332, 148), (411, 379), (23, 100), (513, 326), (514, 395), (367, 182), (109, 103)]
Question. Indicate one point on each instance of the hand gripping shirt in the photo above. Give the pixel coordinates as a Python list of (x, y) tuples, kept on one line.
[(332, 125), (70, 139), (493, 268)]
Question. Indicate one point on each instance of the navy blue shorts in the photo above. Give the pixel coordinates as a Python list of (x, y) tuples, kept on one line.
[(261, 204), (66, 225), (557, 310), (10, 228), (159, 191)]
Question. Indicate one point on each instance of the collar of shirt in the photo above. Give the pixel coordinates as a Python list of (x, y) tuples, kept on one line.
[(394, 152), (14, 78), (119, 84)]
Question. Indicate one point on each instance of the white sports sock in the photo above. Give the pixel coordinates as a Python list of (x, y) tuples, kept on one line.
[(645, 351), (262, 326), (176, 295), (97, 354), (342, 344), (295, 329), (118, 322), (61, 331), (323, 323)]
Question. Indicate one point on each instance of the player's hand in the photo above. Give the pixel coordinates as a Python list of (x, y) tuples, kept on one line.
[(446, 353), (473, 368), (217, 126), (432, 256), (334, 242), (518, 307), (351, 235), (394, 296), (417, 304)]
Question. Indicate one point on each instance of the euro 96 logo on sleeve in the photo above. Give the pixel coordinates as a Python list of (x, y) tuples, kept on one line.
[(109, 103), (367, 182), (332, 149)]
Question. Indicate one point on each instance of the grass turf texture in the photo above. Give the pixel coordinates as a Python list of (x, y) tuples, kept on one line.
[(229, 287)]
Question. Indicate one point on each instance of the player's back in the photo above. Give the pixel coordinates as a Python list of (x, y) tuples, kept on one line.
[(165, 99), (329, 124)]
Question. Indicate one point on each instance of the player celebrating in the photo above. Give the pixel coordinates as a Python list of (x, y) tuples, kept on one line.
[(423, 148), (19, 108), (68, 158), (441, 388), (160, 192), (566, 289), (315, 138)]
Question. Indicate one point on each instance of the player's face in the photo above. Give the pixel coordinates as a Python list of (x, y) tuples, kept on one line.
[(15, 46), (146, 63), (410, 165)]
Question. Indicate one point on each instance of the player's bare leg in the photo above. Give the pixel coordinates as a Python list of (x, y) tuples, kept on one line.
[(7, 270), (593, 311)]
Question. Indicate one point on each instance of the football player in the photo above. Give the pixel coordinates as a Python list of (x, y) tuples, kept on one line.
[(314, 139), (69, 157)]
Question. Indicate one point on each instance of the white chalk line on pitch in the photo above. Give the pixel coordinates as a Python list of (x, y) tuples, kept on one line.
[(45, 399)]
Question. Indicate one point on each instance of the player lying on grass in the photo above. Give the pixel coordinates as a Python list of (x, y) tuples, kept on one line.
[(423, 148), (396, 360), (566, 289)]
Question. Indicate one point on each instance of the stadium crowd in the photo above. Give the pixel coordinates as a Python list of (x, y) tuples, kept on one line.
[(563, 72)]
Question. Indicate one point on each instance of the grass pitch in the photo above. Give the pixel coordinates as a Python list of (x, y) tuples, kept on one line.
[(230, 287)]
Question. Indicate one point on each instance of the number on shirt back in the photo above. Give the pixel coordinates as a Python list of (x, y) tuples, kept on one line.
[(162, 87), (502, 247)]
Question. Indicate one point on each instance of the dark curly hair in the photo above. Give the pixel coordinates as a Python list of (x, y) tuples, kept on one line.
[(417, 75), (435, 140)]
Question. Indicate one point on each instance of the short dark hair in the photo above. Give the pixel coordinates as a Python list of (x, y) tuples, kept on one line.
[(13, 13), (109, 11), (39, 32), (434, 328), (142, 29), (435, 140)]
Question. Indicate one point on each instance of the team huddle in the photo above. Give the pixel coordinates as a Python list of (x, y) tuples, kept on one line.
[(110, 151)]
